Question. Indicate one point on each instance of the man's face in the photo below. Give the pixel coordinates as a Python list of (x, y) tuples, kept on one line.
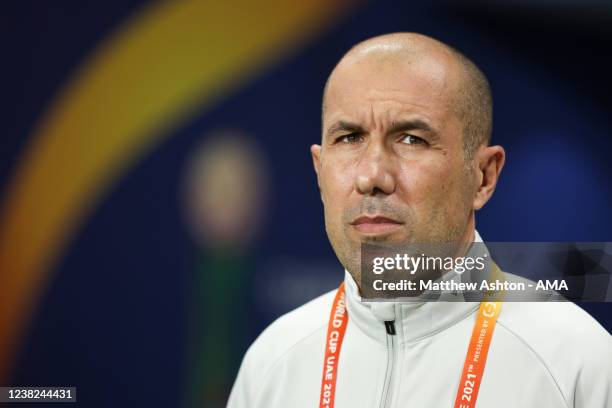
[(391, 165)]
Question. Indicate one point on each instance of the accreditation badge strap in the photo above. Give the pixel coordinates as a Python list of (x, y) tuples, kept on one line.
[(476, 357), (336, 328), (473, 368)]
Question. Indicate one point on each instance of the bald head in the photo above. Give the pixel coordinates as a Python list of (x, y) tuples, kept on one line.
[(401, 158), (466, 90)]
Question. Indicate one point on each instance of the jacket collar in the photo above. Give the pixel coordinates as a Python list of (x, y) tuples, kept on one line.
[(413, 320)]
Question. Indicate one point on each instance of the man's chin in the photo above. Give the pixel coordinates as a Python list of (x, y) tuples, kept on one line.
[(384, 239)]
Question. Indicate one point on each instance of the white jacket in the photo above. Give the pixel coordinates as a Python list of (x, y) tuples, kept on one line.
[(542, 355)]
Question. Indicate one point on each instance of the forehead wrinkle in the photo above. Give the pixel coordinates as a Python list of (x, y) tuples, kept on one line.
[(391, 110), (439, 98), (385, 121)]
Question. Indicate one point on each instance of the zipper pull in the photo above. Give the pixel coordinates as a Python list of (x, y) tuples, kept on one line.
[(390, 326)]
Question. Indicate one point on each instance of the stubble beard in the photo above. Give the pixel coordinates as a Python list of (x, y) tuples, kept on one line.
[(439, 228)]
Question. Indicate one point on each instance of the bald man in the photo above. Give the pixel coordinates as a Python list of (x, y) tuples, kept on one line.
[(405, 157)]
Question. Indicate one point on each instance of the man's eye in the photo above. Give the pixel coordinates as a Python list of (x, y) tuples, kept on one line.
[(351, 138), (412, 140)]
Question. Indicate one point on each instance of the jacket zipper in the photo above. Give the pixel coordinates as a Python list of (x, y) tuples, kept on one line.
[(390, 328)]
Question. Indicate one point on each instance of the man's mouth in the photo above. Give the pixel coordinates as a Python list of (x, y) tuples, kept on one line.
[(374, 225)]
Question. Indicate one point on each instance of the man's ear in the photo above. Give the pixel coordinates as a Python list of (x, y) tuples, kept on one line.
[(489, 163), (315, 151)]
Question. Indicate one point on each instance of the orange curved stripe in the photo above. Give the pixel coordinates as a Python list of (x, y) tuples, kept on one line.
[(162, 66)]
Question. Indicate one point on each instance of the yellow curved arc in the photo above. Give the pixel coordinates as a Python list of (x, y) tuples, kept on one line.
[(156, 70)]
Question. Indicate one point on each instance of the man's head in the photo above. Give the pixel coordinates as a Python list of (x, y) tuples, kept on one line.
[(405, 155)]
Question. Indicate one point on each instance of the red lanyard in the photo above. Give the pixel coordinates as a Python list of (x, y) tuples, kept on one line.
[(473, 368)]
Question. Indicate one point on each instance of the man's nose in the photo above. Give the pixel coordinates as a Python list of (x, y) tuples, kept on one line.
[(375, 171)]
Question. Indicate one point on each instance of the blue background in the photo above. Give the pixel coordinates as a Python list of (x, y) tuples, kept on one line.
[(118, 332)]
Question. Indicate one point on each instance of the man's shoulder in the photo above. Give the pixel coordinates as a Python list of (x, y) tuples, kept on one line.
[(297, 324), (290, 330), (565, 321), (562, 318), (550, 330)]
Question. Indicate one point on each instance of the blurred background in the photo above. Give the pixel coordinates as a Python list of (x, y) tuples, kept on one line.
[(158, 206)]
